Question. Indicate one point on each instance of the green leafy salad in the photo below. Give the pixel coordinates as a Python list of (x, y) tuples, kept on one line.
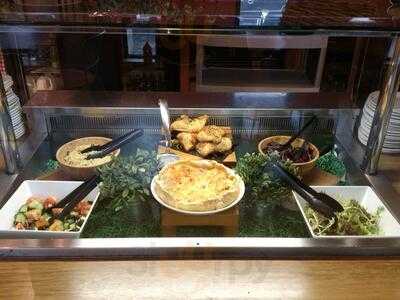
[(353, 220)]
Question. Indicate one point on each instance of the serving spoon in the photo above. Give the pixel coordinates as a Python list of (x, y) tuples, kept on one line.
[(167, 157)]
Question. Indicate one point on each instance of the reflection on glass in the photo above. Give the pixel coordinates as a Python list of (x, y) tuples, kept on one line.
[(261, 12)]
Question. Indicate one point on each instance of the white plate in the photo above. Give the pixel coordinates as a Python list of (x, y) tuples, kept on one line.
[(20, 132), (15, 113), (392, 136), (388, 139), (19, 135), (364, 141), (15, 104), (370, 103), (28, 188), (369, 114), (393, 127), (10, 93), (7, 84), (19, 128), (390, 151), (241, 194), (20, 125), (16, 122), (372, 100), (367, 198)]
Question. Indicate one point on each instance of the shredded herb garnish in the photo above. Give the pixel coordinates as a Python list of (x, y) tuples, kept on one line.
[(50, 165), (331, 164)]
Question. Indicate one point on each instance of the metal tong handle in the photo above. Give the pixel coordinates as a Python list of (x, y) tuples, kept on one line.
[(315, 204), (326, 199), (102, 147), (118, 143), (294, 137), (76, 196), (165, 120), (87, 187), (75, 192), (300, 151)]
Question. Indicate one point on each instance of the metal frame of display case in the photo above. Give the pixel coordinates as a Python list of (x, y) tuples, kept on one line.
[(386, 101), (201, 248), (168, 248)]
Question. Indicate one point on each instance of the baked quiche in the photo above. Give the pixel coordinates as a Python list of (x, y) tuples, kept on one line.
[(197, 185)]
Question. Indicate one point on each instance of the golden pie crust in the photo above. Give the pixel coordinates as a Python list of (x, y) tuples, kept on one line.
[(197, 185)]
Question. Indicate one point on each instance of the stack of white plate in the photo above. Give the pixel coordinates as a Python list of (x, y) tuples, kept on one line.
[(392, 138), (14, 107)]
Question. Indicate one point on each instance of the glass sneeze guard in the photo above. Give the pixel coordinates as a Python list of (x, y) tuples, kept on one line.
[(256, 68)]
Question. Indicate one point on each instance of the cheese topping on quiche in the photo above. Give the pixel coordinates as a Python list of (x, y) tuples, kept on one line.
[(197, 185)]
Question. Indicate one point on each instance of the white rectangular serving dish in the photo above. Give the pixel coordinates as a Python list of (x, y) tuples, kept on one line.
[(28, 188), (388, 225)]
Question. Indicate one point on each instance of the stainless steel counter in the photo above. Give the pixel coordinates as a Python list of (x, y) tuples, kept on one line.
[(191, 247), (198, 248)]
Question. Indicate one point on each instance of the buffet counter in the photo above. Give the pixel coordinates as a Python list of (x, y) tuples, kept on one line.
[(262, 233)]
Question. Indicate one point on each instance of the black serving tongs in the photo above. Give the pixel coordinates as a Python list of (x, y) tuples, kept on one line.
[(101, 147), (103, 150), (320, 202), (72, 199), (295, 136)]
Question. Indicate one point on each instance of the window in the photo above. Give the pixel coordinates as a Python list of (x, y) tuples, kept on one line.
[(135, 44)]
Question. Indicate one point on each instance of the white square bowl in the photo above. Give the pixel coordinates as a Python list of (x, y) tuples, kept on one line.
[(388, 225), (38, 188)]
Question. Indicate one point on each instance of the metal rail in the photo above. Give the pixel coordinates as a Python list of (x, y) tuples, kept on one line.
[(8, 141), (386, 102), (198, 248), (106, 29)]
